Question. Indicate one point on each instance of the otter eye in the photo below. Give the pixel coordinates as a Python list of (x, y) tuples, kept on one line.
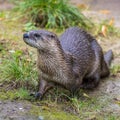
[(36, 35), (52, 36)]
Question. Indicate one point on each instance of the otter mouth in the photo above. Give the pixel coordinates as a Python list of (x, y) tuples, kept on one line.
[(29, 41)]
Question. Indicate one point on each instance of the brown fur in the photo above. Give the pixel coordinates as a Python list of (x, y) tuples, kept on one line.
[(74, 62)]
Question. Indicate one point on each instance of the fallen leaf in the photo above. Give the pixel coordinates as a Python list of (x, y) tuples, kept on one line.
[(28, 60), (1, 19), (111, 22), (104, 11), (45, 108), (11, 51), (85, 95), (118, 102), (82, 6), (104, 30), (14, 43)]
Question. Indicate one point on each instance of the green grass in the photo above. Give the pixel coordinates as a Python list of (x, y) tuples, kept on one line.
[(22, 94), (112, 117), (16, 94), (115, 69), (52, 13), (19, 71)]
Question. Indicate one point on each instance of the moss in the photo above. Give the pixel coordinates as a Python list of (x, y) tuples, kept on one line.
[(52, 113), (115, 69), (21, 94), (7, 95)]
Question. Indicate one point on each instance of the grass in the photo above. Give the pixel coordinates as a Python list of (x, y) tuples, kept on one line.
[(105, 28), (29, 26), (51, 113), (23, 93), (16, 94), (52, 13), (19, 71), (115, 69), (111, 117)]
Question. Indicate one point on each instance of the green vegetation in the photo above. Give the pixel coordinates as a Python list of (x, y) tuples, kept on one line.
[(19, 71), (115, 69), (52, 13), (29, 26), (106, 28), (111, 117), (20, 94), (52, 112)]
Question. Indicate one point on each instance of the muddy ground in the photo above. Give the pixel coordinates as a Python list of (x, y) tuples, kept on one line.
[(104, 100)]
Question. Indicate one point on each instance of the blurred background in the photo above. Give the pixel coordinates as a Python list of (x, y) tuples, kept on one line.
[(18, 71)]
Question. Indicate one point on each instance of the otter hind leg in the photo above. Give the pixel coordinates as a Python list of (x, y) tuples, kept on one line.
[(91, 82)]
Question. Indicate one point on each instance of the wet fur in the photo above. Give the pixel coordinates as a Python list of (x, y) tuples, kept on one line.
[(75, 60)]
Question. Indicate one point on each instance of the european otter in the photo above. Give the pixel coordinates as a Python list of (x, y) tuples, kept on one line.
[(75, 60)]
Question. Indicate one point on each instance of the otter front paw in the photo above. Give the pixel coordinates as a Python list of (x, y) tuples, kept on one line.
[(38, 95)]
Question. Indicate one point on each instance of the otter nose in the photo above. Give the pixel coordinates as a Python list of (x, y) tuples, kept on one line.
[(25, 35)]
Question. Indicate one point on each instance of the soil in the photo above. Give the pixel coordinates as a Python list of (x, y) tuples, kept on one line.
[(15, 110), (5, 5), (107, 93), (103, 9)]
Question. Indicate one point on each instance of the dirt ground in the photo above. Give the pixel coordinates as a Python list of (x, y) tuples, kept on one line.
[(107, 93), (105, 8)]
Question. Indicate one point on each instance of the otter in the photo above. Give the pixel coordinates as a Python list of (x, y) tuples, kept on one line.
[(74, 60)]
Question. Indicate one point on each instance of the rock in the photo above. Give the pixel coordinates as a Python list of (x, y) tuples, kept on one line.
[(40, 118)]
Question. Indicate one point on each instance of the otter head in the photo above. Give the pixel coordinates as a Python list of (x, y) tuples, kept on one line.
[(40, 39)]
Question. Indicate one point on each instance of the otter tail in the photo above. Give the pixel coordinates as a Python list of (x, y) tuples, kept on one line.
[(108, 57)]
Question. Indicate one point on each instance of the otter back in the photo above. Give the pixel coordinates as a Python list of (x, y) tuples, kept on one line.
[(89, 61)]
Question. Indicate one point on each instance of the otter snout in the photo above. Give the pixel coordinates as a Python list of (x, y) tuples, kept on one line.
[(25, 36), (32, 35), (33, 39)]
